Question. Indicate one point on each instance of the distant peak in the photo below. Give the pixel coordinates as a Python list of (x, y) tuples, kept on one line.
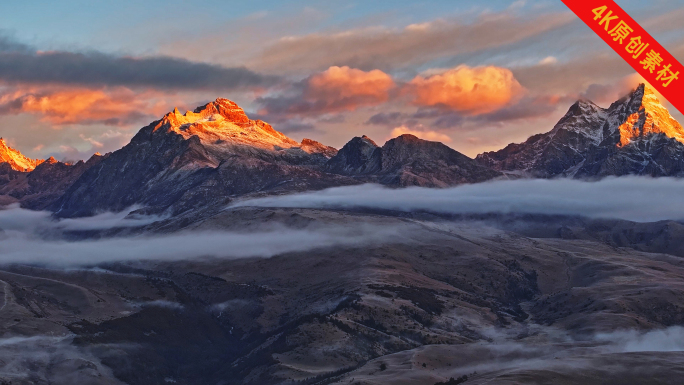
[(224, 108), (228, 109), (311, 146), (577, 119), (583, 106), (222, 123), (218, 104), (16, 159), (225, 102), (407, 138), (646, 115), (641, 89), (585, 102), (369, 140), (647, 91), (640, 96), (638, 93), (310, 142)]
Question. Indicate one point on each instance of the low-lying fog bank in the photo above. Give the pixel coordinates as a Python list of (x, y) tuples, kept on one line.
[(638, 199), (35, 237)]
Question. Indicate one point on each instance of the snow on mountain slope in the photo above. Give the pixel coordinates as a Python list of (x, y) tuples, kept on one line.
[(16, 159), (223, 122), (651, 117), (583, 119), (200, 159)]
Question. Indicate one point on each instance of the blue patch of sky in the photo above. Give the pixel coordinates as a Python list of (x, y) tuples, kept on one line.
[(137, 27), (50, 24)]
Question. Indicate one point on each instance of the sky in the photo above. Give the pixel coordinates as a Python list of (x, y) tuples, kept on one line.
[(79, 77)]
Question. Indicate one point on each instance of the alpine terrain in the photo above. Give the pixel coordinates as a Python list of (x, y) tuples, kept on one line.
[(153, 264), (636, 135)]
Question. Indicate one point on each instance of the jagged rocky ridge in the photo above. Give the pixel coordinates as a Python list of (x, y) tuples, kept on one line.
[(407, 161), (636, 135), (42, 186)]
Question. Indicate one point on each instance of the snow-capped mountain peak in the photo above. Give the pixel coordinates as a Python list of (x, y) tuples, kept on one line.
[(223, 122), (584, 118), (635, 135), (646, 116)]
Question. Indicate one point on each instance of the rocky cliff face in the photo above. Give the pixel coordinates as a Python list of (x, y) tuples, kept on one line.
[(355, 158), (636, 135), (408, 161)]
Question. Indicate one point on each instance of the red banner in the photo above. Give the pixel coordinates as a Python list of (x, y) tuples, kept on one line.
[(635, 45)]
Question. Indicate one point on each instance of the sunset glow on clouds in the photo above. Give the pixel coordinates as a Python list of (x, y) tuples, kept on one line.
[(61, 106), (344, 88), (469, 90)]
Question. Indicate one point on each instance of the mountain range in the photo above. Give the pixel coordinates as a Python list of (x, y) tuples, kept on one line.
[(209, 156)]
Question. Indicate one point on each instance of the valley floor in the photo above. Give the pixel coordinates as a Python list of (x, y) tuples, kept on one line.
[(418, 300)]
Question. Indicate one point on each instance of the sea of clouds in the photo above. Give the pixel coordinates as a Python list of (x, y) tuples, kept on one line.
[(34, 236)]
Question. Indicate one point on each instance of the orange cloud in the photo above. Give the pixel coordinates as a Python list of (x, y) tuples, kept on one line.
[(82, 106), (471, 90), (427, 135), (344, 88), (334, 90)]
